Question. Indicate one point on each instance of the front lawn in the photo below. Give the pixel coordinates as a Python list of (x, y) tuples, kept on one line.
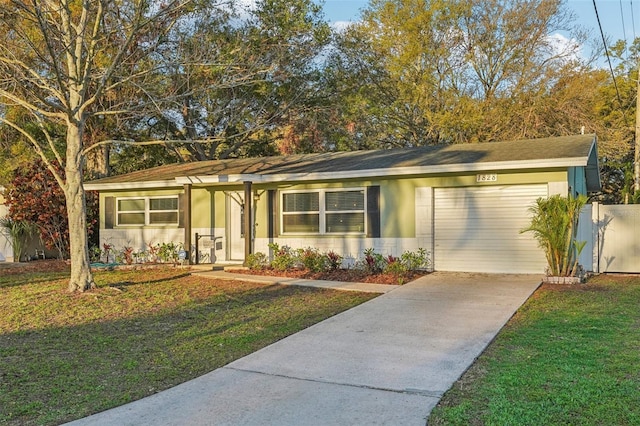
[(64, 356), (570, 356)]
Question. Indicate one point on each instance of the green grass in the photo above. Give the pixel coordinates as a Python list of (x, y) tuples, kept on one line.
[(64, 356), (570, 356)]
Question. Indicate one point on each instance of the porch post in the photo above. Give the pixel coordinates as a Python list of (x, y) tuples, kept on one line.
[(187, 222), (248, 229)]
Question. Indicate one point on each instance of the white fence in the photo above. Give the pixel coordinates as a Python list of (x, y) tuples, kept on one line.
[(612, 233)]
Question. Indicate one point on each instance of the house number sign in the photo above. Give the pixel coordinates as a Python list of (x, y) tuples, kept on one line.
[(487, 177)]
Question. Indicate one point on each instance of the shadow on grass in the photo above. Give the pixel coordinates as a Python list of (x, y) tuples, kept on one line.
[(58, 374), (121, 284), (31, 278)]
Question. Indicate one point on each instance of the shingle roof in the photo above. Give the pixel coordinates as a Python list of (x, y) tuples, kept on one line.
[(580, 149)]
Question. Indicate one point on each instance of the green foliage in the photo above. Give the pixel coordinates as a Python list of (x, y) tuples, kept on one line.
[(169, 327), (334, 260), (257, 261), (20, 232), (168, 252), (554, 224), (373, 262), (459, 73), (415, 261), (569, 357), (313, 260), (283, 257), (396, 267)]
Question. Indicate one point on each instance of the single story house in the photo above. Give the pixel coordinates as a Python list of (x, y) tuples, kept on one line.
[(465, 204)]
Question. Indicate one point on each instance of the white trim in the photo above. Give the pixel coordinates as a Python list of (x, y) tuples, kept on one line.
[(159, 184), (147, 211), (322, 211), (395, 171)]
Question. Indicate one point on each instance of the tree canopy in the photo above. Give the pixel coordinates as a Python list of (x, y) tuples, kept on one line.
[(93, 87)]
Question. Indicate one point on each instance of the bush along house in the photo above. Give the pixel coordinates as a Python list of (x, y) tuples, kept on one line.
[(465, 204)]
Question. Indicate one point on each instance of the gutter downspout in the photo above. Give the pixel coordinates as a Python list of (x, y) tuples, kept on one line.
[(187, 223), (248, 213)]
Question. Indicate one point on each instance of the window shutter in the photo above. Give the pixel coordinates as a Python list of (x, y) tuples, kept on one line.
[(373, 211), (181, 199), (272, 200), (109, 212)]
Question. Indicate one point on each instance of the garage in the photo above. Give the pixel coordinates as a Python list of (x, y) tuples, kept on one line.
[(477, 229)]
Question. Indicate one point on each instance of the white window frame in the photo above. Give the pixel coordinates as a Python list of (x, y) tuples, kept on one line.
[(322, 212), (148, 211)]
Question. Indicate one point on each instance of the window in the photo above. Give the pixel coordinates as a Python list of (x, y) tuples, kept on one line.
[(301, 212), (345, 211), (147, 211), (323, 212)]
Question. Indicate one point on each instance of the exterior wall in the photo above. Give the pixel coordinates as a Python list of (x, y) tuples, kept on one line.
[(137, 237), (406, 212), (405, 215)]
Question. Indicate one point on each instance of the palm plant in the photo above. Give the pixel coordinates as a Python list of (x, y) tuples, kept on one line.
[(554, 224), (20, 231)]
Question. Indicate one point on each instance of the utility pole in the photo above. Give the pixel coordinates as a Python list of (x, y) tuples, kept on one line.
[(636, 155)]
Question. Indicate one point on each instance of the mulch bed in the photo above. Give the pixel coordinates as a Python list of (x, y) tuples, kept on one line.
[(48, 265), (349, 275)]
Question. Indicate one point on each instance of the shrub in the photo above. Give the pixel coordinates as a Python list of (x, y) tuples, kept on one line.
[(257, 261), (373, 263), (312, 259), (107, 251), (19, 231), (127, 255), (415, 261), (168, 252), (334, 260), (283, 257), (554, 224), (395, 266)]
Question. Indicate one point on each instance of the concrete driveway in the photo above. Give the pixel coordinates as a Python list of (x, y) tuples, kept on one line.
[(385, 362)]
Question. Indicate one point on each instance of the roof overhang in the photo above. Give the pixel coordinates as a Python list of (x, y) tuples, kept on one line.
[(160, 184), (217, 180)]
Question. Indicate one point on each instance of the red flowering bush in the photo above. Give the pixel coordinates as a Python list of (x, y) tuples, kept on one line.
[(35, 196)]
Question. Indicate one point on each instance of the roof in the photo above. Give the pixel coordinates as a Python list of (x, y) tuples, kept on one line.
[(565, 151)]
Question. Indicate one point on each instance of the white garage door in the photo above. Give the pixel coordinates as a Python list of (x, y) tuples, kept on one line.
[(478, 229)]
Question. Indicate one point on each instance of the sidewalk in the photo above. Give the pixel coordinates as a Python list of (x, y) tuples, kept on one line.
[(385, 362)]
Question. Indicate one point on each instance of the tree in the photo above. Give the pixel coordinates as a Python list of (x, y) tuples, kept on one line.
[(35, 197), (429, 71), (61, 62), (264, 79), (614, 119)]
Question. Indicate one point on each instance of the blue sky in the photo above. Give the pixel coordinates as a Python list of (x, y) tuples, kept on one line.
[(616, 24)]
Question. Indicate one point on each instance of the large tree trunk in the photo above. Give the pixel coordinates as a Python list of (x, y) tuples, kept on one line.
[(81, 277)]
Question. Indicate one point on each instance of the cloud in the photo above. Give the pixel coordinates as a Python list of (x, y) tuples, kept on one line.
[(340, 26), (564, 46)]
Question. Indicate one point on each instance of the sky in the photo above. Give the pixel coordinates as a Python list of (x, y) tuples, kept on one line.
[(615, 16)]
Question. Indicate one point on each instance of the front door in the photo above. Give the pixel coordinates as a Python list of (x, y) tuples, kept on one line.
[(235, 225)]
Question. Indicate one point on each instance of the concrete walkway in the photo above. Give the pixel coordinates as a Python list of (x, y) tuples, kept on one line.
[(385, 362)]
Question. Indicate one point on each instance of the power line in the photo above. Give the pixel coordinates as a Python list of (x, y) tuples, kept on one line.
[(633, 21), (606, 51), (624, 31)]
